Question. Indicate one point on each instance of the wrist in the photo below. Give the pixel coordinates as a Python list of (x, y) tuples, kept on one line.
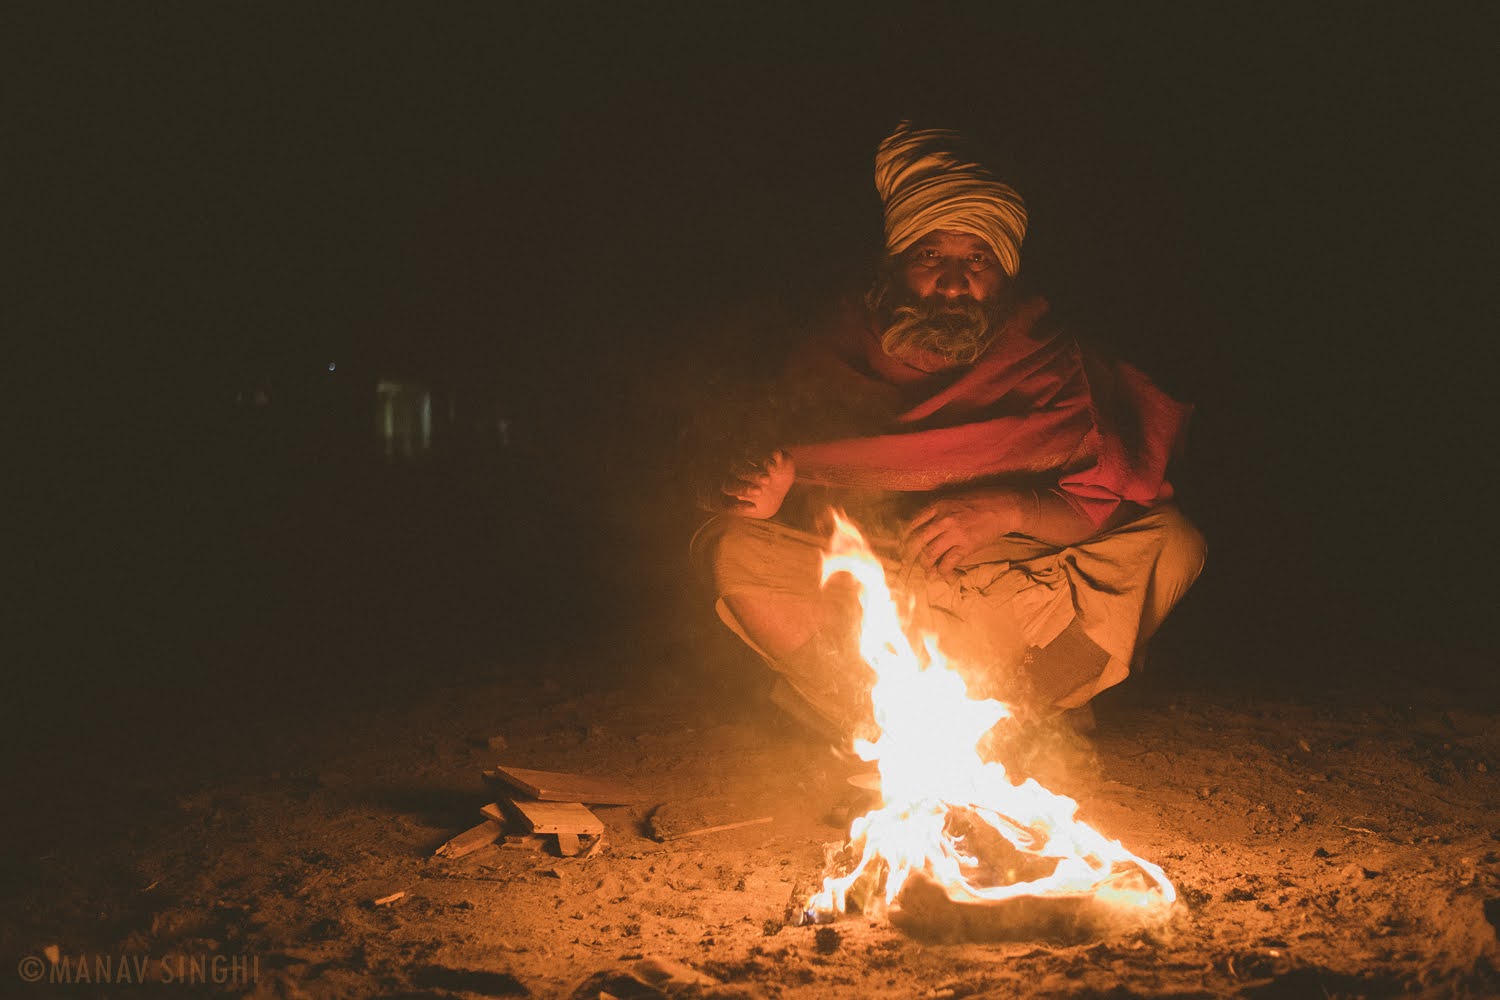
[(1013, 510)]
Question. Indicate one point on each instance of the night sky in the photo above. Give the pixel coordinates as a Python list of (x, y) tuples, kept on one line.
[(1285, 212)]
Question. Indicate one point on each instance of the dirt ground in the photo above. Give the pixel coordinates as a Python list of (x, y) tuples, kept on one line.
[(1339, 846)]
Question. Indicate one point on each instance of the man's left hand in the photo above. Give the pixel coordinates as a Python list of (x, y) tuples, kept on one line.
[(944, 534)]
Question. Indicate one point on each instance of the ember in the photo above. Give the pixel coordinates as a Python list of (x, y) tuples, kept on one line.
[(953, 830)]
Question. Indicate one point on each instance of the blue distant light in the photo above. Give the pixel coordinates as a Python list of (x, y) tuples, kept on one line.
[(332, 367)]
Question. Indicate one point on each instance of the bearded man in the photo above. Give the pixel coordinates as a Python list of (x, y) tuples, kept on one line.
[(1012, 482)]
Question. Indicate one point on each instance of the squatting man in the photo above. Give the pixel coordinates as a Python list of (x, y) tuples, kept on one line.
[(1012, 480)]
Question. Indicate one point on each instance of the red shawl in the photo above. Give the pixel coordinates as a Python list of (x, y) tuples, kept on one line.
[(1035, 405)]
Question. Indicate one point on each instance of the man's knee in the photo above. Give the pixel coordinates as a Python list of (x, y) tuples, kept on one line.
[(724, 550), (717, 536), (742, 554), (1183, 550), (1178, 563)]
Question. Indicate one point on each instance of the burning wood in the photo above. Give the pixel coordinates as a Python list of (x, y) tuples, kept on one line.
[(954, 832)]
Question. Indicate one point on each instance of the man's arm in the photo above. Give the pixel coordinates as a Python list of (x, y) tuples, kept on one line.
[(945, 533), (1056, 521)]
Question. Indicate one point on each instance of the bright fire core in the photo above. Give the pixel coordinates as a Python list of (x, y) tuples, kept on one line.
[(946, 813)]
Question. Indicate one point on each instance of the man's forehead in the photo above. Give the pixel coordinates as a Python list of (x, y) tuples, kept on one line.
[(953, 241)]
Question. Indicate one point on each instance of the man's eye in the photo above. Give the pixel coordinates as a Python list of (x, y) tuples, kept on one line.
[(979, 261)]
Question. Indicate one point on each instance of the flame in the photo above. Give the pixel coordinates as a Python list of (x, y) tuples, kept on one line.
[(942, 803)]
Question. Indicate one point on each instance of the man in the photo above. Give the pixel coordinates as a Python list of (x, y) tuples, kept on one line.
[(1012, 482)]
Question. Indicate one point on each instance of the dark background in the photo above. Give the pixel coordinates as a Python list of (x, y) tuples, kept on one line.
[(608, 216)]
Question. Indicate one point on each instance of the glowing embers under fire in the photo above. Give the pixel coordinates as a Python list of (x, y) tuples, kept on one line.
[(954, 833)]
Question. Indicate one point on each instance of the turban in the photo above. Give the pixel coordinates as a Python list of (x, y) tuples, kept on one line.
[(925, 185)]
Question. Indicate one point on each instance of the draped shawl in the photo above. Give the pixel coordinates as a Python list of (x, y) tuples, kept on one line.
[(1036, 407)]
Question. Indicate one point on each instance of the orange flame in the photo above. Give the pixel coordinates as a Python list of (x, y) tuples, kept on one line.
[(929, 765)]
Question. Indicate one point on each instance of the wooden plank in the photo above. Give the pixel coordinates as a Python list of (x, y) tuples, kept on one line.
[(558, 817), (720, 828), (471, 840), (492, 811), (567, 844), (554, 786)]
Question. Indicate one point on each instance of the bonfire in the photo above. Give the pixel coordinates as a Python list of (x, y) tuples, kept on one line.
[(956, 844)]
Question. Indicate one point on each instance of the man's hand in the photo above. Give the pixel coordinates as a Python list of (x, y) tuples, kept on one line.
[(946, 533), (756, 489)]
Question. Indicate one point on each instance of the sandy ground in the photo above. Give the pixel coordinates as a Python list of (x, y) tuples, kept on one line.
[(1341, 847)]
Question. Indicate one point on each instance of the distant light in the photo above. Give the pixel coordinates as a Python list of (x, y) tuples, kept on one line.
[(332, 367)]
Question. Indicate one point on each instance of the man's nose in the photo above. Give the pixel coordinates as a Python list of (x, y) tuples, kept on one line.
[(952, 281)]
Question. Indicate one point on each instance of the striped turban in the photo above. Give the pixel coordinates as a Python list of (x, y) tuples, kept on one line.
[(925, 185)]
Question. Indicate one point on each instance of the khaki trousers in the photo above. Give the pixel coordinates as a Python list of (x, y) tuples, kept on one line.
[(1015, 597)]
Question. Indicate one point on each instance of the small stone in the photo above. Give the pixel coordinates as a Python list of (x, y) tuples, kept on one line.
[(497, 743), (670, 975), (827, 940), (1321, 853)]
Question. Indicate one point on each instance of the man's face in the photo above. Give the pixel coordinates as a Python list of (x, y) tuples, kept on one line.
[(952, 266), (945, 299)]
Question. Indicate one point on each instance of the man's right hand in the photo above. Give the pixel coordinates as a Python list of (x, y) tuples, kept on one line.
[(756, 489)]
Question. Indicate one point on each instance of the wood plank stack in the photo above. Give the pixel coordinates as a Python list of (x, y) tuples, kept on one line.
[(541, 809)]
